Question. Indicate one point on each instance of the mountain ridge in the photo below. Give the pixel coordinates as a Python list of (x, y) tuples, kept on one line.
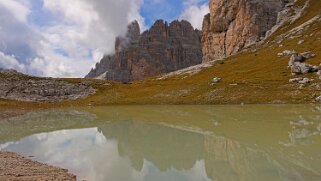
[(161, 49)]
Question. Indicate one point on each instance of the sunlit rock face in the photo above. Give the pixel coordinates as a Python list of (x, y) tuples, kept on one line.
[(162, 49), (235, 24)]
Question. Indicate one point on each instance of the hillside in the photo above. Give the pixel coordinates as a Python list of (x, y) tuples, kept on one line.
[(256, 75)]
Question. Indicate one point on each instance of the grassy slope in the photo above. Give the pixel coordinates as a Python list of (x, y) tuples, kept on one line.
[(261, 77)]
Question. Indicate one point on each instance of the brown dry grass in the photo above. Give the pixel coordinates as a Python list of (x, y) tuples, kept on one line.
[(260, 75)]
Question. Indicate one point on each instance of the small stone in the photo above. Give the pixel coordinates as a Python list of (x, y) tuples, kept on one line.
[(319, 74), (307, 55), (107, 84), (300, 42), (318, 99), (286, 53), (305, 81), (216, 80), (300, 80), (315, 68), (280, 54), (295, 80)]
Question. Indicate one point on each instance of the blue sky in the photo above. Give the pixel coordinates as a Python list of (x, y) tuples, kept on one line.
[(40, 16), (165, 9), (168, 10), (61, 38)]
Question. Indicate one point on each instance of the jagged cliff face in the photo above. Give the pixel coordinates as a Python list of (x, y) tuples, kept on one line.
[(162, 49), (235, 24)]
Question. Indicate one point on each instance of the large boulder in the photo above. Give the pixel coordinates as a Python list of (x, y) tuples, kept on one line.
[(296, 57), (298, 67), (302, 68)]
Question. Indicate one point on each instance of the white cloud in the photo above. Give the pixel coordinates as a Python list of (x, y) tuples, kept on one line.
[(16, 37), (10, 62), (91, 24), (51, 64), (87, 31), (15, 6), (194, 12), (82, 32)]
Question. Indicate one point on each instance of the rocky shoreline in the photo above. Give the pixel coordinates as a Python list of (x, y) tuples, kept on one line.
[(19, 168)]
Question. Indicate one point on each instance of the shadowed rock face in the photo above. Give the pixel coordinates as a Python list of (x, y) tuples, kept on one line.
[(162, 49), (235, 24)]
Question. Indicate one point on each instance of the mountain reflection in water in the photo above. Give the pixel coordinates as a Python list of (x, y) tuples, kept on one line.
[(242, 146)]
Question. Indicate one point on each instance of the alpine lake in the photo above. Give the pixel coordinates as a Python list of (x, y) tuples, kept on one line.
[(173, 143)]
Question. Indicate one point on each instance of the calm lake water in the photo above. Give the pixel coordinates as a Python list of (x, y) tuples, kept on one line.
[(173, 143)]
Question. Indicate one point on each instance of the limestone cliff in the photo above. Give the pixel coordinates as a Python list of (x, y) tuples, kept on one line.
[(235, 24), (164, 48)]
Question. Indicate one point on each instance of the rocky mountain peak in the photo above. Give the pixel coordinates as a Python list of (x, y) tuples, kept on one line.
[(133, 31), (161, 49), (132, 36)]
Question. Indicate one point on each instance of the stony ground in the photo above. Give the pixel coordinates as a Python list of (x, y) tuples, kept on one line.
[(17, 86), (18, 168)]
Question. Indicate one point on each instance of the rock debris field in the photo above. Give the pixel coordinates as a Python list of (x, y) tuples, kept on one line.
[(17, 86)]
